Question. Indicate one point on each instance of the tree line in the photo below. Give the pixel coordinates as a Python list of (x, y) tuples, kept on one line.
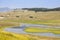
[(42, 9)]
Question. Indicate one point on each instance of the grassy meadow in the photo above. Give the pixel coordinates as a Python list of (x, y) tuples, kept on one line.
[(43, 30), (10, 19)]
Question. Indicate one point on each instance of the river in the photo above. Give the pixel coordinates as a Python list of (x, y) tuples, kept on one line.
[(20, 30)]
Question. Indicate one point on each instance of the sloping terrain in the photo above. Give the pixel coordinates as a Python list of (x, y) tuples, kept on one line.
[(13, 36)]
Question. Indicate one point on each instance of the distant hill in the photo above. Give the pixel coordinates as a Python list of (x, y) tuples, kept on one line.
[(4, 9)]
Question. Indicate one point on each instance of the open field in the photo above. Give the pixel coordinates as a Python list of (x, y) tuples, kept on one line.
[(43, 30), (51, 18), (10, 19), (4, 24)]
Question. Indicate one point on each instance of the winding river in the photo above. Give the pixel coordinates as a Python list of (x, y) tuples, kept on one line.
[(20, 30)]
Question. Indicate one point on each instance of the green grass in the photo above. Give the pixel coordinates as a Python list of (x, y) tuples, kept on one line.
[(43, 30), (44, 22)]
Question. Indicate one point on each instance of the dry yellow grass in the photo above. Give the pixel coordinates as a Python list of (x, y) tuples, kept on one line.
[(52, 15), (39, 16), (13, 36)]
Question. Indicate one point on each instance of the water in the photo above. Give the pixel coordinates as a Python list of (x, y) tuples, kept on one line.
[(20, 30), (15, 30)]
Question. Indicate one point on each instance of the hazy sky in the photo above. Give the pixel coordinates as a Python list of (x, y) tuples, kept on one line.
[(29, 3)]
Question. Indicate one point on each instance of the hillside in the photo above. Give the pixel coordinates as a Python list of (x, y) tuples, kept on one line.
[(50, 17), (31, 15)]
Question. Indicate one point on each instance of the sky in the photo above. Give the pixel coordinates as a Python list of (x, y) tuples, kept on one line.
[(29, 3)]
